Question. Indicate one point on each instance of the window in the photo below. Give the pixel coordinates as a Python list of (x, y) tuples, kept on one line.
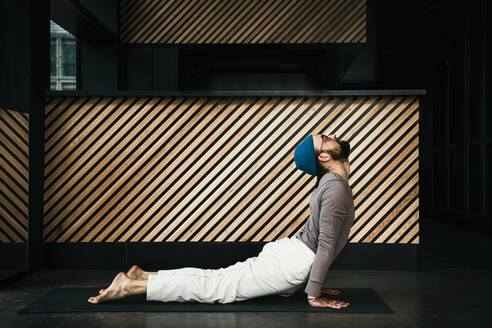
[(68, 57), (53, 57), (63, 59)]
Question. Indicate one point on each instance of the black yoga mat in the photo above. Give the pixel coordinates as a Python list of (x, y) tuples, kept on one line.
[(362, 300)]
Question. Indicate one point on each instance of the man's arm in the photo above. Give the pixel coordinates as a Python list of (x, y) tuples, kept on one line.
[(330, 225)]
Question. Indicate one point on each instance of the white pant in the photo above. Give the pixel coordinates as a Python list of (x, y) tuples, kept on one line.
[(281, 268)]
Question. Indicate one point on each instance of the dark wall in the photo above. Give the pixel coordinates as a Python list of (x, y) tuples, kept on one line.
[(24, 79), (460, 191), (24, 59), (149, 67), (440, 46), (106, 11), (14, 29), (99, 59)]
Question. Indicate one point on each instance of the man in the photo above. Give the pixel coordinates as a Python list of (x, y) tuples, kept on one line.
[(283, 266), (332, 210)]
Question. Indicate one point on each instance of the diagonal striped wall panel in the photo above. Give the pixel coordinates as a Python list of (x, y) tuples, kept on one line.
[(242, 22), (14, 176), (221, 168)]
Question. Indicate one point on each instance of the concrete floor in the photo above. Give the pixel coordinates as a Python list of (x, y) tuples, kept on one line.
[(6, 274), (452, 289)]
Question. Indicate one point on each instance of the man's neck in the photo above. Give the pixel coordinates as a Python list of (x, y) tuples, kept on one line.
[(342, 168)]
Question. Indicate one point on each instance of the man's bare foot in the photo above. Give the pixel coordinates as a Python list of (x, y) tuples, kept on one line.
[(118, 289), (136, 273)]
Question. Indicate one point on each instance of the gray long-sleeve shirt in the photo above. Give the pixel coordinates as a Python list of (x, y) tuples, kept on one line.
[(327, 229)]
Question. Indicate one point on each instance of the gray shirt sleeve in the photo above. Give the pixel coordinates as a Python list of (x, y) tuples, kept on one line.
[(331, 228)]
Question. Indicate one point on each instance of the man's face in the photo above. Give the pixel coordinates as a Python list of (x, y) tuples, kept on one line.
[(323, 143)]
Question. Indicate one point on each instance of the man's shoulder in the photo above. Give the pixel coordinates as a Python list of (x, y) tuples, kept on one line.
[(331, 186), (334, 190), (331, 179)]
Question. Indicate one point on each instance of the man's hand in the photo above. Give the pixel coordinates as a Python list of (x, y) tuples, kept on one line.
[(324, 302), (327, 291)]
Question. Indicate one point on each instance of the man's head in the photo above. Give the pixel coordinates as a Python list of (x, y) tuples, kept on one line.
[(330, 147), (317, 153)]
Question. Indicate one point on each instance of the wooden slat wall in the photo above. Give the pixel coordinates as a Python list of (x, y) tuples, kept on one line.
[(14, 176), (242, 22), (221, 168)]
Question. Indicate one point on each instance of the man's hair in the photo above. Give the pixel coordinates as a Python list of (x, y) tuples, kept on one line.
[(337, 155)]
